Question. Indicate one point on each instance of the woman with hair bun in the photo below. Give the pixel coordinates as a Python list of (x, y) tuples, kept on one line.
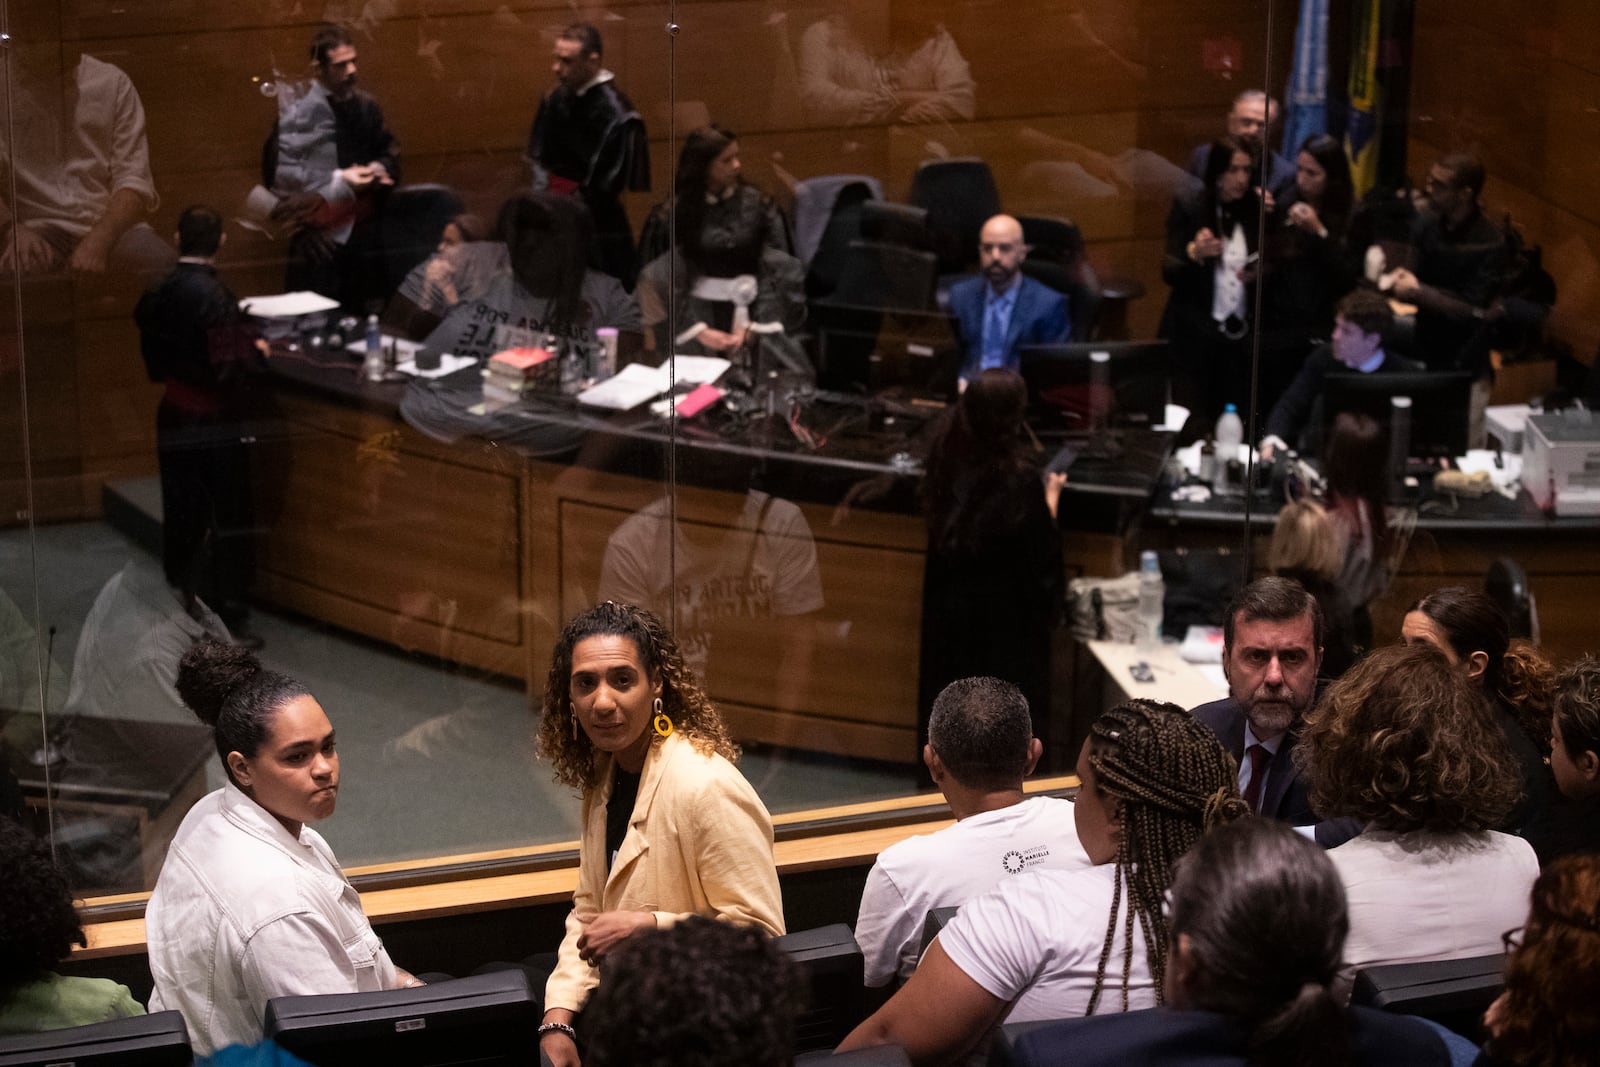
[(1258, 929), (1052, 944), (670, 826), (1515, 678), (251, 903)]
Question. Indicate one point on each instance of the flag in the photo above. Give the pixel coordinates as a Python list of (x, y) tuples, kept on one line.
[(1306, 101), (1366, 98)]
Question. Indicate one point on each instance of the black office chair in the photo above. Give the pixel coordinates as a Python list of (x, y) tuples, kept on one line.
[(960, 196), (1506, 584), (1056, 258), (833, 971), (156, 1040), (1452, 993), (833, 248), (896, 224)]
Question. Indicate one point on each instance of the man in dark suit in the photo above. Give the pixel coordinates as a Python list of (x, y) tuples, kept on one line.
[(1001, 310), (1361, 322), (1271, 652), (1250, 119)]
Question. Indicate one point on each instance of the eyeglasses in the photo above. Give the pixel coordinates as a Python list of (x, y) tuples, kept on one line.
[(1511, 940)]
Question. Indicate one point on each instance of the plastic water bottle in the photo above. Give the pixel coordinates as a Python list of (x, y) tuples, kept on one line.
[(1229, 436), (572, 367), (1152, 592), (372, 365)]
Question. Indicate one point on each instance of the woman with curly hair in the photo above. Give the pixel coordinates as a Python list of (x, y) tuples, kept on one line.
[(1258, 925), (38, 927), (1404, 744), (1047, 944), (670, 827), (1549, 1014), (251, 903), (1516, 679)]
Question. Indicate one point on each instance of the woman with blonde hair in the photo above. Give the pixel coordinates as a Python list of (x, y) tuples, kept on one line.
[(1309, 548), (670, 827)]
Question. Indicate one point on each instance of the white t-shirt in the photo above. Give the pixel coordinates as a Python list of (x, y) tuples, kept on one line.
[(1425, 896), (764, 566), (951, 867), (1037, 939)]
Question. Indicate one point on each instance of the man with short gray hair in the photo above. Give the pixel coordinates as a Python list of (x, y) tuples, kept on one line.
[(980, 748)]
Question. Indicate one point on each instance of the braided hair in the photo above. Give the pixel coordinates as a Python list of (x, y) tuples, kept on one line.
[(1169, 780)]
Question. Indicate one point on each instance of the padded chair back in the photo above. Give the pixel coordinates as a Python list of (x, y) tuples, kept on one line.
[(960, 196), (817, 199), (833, 971), (1506, 584), (886, 276), (1055, 258), (896, 224), (413, 220), (934, 924), (156, 1040), (1453, 993), (832, 246)]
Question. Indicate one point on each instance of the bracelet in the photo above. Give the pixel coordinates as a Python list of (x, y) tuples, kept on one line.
[(545, 1028)]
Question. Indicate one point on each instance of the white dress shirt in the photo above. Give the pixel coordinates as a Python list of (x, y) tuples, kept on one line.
[(244, 912)]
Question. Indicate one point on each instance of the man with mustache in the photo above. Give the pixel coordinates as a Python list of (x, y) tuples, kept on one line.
[(1001, 310), (1271, 652)]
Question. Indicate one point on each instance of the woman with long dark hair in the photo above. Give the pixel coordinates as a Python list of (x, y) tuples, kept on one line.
[(1355, 462), (670, 826), (1213, 238), (1258, 928), (1058, 944), (992, 581), (725, 231), (1308, 265), (1514, 679)]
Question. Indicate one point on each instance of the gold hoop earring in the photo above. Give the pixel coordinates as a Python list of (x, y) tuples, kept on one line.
[(662, 723)]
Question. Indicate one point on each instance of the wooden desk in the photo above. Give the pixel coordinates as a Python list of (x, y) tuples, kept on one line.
[(121, 773), (1176, 680)]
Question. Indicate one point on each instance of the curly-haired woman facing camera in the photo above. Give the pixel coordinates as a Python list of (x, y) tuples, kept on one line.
[(670, 827)]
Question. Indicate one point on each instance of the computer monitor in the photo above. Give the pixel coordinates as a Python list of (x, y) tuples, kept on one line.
[(157, 1040), (1441, 406), (867, 350), (485, 1019), (1063, 389)]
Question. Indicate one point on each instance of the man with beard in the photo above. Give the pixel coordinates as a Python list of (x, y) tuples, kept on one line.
[(1001, 310), (1271, 652)]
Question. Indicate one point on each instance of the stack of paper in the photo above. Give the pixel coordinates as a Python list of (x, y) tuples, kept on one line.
[(638, 383)]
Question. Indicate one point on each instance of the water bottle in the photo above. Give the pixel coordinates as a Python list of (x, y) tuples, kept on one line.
[(572, 367), (1152, 592), (1229, 436), (372, 365)]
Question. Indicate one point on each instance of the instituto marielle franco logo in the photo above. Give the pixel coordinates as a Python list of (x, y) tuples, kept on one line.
[(1018, 860)]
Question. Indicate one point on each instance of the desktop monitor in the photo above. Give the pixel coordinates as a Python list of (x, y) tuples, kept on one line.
[(1064, 388), (870, 349), (485, 1019), (1441, 406), (158, 1040)]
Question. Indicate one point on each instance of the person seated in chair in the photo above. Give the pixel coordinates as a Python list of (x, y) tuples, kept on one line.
[(1361, 322), (1001, 310)]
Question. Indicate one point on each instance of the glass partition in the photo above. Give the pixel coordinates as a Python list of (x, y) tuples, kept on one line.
[(800, 191)]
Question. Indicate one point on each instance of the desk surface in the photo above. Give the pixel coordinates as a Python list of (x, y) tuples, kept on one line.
[(118, 761), (1492, 512), (1176, 680)]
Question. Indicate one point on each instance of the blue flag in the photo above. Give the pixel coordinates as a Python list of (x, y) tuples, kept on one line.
[(1306, 102)]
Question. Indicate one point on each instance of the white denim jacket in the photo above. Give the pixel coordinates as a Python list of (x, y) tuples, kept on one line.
[(244, 912)]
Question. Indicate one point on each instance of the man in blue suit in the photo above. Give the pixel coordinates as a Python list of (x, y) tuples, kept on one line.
[(1001, 310)]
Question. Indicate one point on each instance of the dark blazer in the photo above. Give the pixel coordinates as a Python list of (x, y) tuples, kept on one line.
[(1285, 798), (1280, 177), (1039, 318), (1157, 1037), (1297, 417)]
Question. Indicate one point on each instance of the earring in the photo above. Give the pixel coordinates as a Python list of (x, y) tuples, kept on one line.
[(573, 708), (661, 723)]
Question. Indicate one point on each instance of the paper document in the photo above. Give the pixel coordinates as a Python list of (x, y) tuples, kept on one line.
[(286, 305), (631, 387), (448, 364), (696, 369)]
